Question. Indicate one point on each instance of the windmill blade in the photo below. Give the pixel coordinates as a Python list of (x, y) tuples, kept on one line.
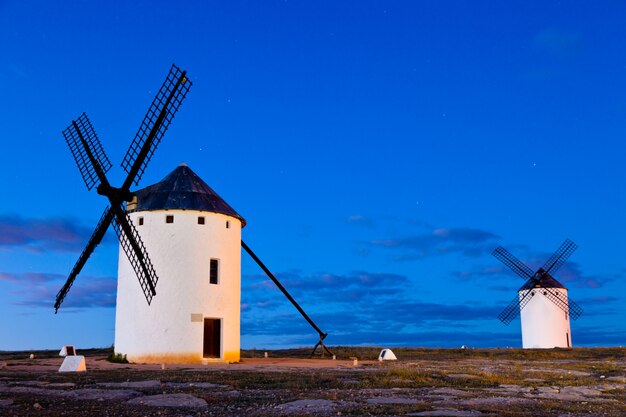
[(136, 252), (512, 262), (155, 124), (510, 312), (515, 307), (559, 257), (94, 240), (290, 298), (563, 302), (575, 310), (81, 138)]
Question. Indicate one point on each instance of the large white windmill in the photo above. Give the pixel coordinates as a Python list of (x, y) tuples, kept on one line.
[(194, 240), (195, 243), (542, 302)]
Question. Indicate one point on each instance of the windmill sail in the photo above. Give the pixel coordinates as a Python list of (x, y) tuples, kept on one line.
[(93, 165)]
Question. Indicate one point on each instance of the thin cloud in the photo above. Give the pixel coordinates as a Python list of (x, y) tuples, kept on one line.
[(480, 273), (571, 274), (357, 286), (92, 292), (599, 306), (362, 221), (599, 300), (30, 278), (39, 289), (43, 235), (466, 241), (356, 278), (264, 304), (417, 311)]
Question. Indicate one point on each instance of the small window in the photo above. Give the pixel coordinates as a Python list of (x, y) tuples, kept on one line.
[(200, 220), (169, 219), (141, 221), (213, 271), (227, 224)]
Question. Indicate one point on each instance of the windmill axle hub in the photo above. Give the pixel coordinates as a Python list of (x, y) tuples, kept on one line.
[(115, 194)]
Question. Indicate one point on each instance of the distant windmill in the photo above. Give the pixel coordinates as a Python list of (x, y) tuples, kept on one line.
[(542, 301), (193, 235)]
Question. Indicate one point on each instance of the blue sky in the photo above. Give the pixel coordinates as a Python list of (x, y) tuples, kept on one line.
[(379, 152)]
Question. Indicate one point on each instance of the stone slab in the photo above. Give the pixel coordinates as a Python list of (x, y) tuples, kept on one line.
[(462, 376), (101, 394), (311, 406), (61, 385), (493, 401), (194, 385), (448, 412), (450, 391), (73, 364), (151, 383), (80, 394), (169, 400), (391, 400)]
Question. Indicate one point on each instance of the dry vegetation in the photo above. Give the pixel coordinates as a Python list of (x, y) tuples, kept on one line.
[(507, 382)]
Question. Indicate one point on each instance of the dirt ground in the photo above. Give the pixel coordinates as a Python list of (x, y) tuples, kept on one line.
[(423, 382)]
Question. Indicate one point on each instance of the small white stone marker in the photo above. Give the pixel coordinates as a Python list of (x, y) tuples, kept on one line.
[(334, 357), (162, 366), (387, 355), (32, 356), (266, 354), (355, 362), (73, 364)]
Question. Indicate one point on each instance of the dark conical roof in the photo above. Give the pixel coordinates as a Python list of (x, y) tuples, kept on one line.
[(182, 189), (546, 281)]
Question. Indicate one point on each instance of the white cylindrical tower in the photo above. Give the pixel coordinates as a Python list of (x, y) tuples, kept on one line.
[(193, 239), (545, 325)]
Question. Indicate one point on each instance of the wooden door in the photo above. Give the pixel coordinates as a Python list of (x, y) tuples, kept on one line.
[(212, 338)]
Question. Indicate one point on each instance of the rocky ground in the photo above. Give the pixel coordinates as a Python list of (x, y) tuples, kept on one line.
[(423, 382)]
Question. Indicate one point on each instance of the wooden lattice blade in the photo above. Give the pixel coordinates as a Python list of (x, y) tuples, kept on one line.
[(136, 253), (155, 124), (559, 257), (82, 139), (94, 240)]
